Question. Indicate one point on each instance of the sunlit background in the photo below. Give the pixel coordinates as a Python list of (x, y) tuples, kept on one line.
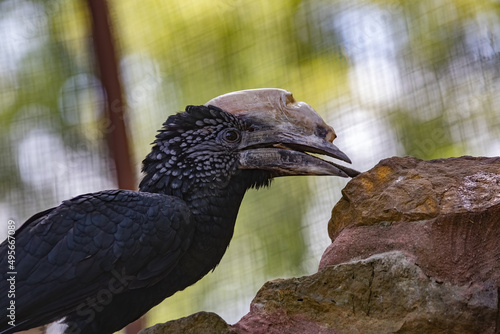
[(418, 78)]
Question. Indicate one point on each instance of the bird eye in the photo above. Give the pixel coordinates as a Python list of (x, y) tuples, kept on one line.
[(231, 136)]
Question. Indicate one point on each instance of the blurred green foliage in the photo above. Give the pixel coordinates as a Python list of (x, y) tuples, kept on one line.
[(393, 77)]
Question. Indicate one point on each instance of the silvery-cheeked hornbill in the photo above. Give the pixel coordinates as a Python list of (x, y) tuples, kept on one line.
[(99, 261)]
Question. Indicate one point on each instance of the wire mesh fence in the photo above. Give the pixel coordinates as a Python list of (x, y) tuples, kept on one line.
[(392, 77)]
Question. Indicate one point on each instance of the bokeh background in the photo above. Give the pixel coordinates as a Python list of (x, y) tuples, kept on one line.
[(418, 78)]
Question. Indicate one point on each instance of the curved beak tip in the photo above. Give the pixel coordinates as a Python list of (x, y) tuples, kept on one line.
[(342, 156)]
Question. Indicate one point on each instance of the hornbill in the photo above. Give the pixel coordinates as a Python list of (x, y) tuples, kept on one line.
[(99, 261)]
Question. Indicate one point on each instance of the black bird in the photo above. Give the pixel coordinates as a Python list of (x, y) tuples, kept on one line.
[(99, 261)]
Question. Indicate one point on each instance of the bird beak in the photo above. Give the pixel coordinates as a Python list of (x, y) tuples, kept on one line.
[(282, 134), (293, 159)]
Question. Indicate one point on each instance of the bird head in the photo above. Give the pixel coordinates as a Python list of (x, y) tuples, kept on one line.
[(264, 130)]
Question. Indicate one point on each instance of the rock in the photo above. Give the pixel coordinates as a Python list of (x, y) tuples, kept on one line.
[(409, 189), (201, 322), (415, 249), (385, 293), (444, 212)]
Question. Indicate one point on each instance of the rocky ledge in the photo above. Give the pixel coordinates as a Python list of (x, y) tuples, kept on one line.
[(415, 249)]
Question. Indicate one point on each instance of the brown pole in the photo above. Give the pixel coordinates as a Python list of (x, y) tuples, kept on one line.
[(117, 138), (115, 113)]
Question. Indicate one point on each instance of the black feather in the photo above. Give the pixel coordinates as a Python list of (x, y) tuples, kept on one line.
[(102, 260)]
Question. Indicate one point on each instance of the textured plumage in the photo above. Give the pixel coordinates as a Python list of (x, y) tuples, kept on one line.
[(102, 260)]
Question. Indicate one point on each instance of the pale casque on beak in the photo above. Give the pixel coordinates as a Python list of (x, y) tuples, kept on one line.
[(282, 131)]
